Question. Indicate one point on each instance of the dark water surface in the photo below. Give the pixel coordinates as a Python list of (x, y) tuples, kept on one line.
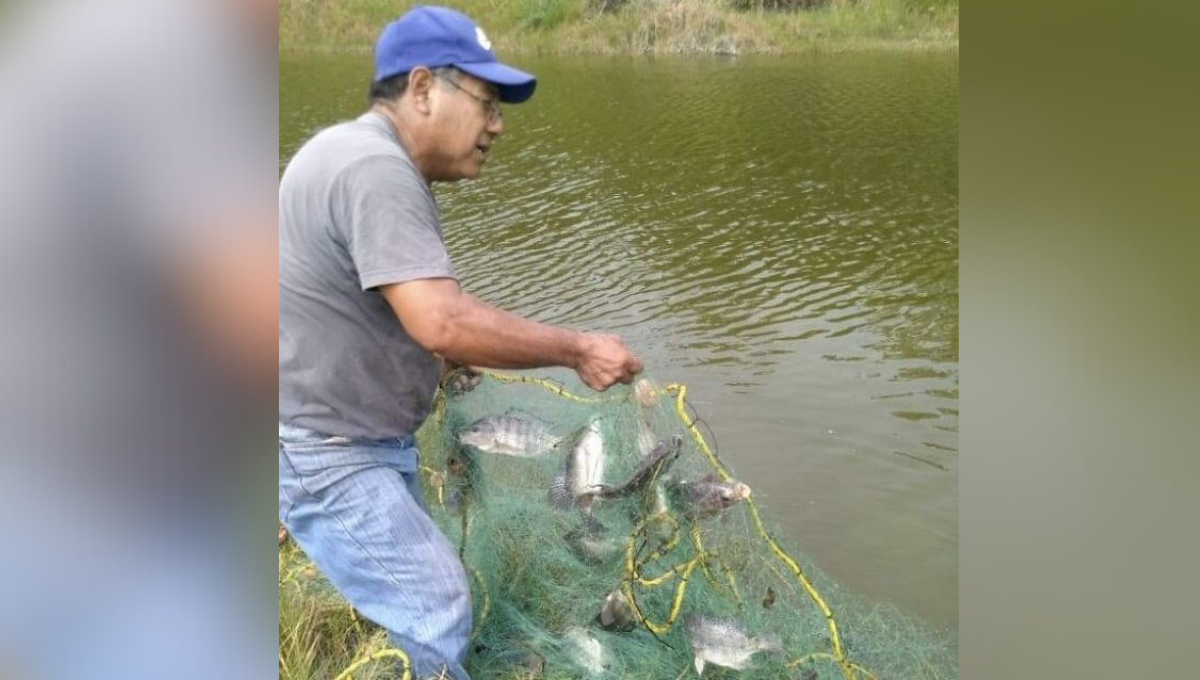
[(780, 234)]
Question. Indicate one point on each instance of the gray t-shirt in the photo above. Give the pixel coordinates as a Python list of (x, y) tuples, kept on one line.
[(354, 215)]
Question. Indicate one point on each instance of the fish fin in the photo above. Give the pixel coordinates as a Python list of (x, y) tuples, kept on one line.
[(568, 442), (770, 643), (521, 414), (699, 666)]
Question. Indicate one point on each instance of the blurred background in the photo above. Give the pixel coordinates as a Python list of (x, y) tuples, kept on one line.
[(138, 261)]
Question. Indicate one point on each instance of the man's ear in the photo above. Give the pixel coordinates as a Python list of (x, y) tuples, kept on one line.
[(420, 83)]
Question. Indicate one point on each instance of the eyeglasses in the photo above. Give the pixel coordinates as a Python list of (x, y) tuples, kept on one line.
[(491, 107)]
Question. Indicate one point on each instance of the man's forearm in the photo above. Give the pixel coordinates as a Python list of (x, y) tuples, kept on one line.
[(443, 319), (478, 334)]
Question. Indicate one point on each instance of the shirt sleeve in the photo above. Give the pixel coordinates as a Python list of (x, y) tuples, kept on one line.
[(388, 220)]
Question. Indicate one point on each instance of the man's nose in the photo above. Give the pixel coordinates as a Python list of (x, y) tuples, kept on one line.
[(496, 126)]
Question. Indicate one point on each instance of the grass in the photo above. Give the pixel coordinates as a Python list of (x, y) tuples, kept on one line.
[(319, 634), (647, 26)]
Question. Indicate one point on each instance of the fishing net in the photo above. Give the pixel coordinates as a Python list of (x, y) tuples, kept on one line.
[(623, 580)]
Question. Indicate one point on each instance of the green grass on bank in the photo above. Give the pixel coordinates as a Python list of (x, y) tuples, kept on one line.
[(319, 634), (646, 26)]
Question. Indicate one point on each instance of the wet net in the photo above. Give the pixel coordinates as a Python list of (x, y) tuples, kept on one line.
[(604, 537)]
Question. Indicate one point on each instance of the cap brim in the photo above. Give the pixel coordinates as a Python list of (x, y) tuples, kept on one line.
[(515, 86)]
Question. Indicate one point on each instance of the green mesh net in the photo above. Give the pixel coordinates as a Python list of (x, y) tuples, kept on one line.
[(605, 538)]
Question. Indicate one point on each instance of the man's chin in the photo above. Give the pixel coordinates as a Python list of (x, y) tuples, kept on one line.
[(469, 170)]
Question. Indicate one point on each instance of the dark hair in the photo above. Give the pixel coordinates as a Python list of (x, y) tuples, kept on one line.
[(392, 88), (388, 89)]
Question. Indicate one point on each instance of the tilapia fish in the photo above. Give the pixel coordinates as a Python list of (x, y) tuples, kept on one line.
[(578, 482), (616, 613), (654, 463), (512, 434), (586, 651), (707, 497), (724, 642)]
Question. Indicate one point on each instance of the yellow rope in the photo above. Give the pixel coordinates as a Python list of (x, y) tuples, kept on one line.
[(556, 389), (382, 654), (712, 580), (440, 487), (684, 571), (680, 408), (632, 575), (668, 545), (485, 607), (825, 655), (838, 653)]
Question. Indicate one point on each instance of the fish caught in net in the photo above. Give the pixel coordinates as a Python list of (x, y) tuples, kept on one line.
[(605, 538)]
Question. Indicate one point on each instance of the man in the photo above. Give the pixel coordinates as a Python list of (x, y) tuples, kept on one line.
[(369, 301)]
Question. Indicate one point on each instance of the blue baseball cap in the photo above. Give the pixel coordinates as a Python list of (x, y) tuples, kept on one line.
[(438, 36)]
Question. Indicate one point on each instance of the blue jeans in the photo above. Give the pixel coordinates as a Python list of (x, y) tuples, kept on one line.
[(357, 510)]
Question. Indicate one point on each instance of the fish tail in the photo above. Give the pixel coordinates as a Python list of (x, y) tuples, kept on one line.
[(770, 643)]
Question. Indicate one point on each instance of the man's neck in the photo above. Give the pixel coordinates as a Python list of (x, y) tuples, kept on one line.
[(402, 131)]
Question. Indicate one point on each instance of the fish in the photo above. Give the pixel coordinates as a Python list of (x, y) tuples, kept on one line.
[(646, 392), (645, 440), (590, 542), (707, 497), (724, 642), (616, 613), (512, 434), (586, 651), (655, 463), (578, 482)]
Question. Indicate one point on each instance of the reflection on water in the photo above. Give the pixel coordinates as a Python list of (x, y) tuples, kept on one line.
[(780, 234)]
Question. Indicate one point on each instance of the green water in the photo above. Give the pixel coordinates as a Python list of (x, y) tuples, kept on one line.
[(780, 234)]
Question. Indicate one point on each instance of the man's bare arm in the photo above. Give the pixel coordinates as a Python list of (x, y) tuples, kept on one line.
[(443, 319)]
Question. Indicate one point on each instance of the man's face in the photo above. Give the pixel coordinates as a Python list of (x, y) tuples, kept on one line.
[(467, 121)]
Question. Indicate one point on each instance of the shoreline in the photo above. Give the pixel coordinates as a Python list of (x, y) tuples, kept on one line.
[(648, 27)]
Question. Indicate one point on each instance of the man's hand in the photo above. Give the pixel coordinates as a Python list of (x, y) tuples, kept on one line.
[(458, 379), (605, 361)]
